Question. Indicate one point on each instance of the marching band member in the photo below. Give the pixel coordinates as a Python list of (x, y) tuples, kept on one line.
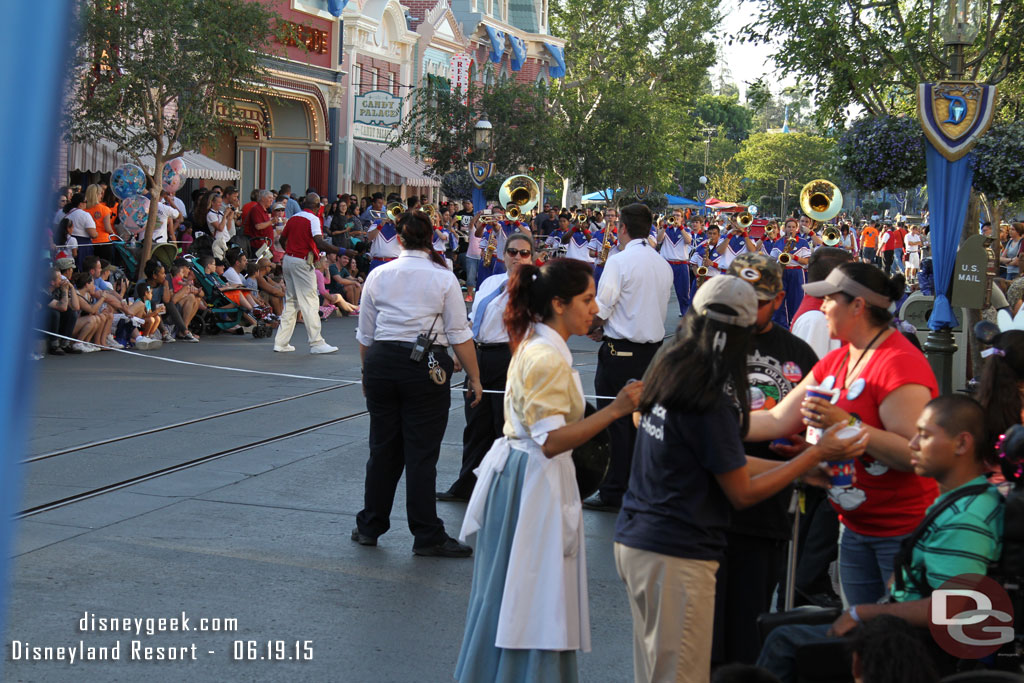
[(675, 244), (411, 311), (492, 234), (577, 240), (517, 225), (632, 303), (706, 255), (807, 232), (737, 242), (528, 608), (484, 420), (443, 242), (793, 276), (597, 241), (383, 236)]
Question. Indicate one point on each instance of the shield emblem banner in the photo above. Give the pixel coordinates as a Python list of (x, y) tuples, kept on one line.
[(480, 171), (954, 114)]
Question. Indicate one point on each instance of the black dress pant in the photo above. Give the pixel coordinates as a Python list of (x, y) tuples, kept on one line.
[(408, 416), (62, 323), (618, 362), (484, 423), (817, 549), (747, 576)]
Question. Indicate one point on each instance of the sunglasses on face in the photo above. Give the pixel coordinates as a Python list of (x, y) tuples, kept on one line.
[(525, 253)]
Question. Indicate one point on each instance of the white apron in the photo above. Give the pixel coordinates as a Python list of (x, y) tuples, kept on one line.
[(544, 605)]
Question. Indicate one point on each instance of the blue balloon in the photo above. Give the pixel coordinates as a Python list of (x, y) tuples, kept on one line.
[(127, 180)]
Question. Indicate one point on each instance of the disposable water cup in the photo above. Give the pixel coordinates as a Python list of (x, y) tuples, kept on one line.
[(842, 470)]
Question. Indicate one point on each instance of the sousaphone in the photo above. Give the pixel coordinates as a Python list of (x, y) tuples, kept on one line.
[(520, 190)]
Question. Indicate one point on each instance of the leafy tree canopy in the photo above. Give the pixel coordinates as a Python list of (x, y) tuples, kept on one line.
[(797, 157)]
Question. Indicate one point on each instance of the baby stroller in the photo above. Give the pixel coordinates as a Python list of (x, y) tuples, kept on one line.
[(222, 313)]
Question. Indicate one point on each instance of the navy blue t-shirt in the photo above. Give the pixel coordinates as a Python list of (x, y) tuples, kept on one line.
[(674, 505)]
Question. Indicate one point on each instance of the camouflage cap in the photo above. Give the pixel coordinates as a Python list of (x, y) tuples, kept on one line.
[(764, 274)]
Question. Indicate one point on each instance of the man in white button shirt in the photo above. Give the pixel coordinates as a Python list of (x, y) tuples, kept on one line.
[(484, 422), (632, 303)]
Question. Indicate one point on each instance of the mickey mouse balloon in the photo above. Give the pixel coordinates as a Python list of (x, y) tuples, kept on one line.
[(127, 180), (174, 175)]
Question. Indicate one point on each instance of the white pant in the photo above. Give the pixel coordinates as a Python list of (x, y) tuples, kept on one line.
[(300, 295)]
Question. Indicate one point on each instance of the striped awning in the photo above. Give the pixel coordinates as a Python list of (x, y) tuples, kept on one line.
[(102, 157), (377, 164)]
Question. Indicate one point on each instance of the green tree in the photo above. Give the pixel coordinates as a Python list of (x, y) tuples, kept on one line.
[(873, 53), (440, 124), (725, 112), (725, 184), (645, 56), (152, 72), (796, 157)]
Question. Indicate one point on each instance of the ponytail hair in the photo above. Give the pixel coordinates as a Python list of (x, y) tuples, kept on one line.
[(416, 232), (531, 291), (999, 389)]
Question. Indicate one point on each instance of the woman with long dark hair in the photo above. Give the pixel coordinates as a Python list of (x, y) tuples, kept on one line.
[(411, 312), (689, 467), (1002, 381), (879, 378), (528, 611)]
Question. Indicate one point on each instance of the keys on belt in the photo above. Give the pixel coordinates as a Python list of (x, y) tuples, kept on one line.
[(615, 352)]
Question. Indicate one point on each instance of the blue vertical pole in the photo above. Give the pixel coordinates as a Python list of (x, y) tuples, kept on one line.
[(30, 101), (479, 199)]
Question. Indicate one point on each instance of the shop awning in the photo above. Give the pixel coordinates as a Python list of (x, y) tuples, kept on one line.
[(102, 157), (377, 164)]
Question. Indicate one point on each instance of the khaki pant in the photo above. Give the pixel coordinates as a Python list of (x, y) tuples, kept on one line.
[(673, 605), (300, 295)]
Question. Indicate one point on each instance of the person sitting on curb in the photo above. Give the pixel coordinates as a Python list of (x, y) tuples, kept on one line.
[(964, 538)]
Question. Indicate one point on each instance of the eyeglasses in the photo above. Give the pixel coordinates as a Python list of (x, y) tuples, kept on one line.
[(525, 253)]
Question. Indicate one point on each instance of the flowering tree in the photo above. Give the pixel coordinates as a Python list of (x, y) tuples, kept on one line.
[(883, 153)]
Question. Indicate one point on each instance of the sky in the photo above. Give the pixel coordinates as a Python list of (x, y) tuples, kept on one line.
[(747, 61)]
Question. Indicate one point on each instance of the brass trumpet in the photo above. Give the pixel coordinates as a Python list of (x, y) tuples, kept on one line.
[(785, 258), (513, 213), (746, 219), (831, 237), (394, 211), (580, 218)]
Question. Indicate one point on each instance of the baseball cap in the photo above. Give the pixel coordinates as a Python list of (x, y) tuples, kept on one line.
[(729, 291), (65, 263), (762, 273), (838, 281), (278, 207)]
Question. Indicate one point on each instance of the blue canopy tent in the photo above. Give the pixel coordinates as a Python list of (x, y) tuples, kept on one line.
[(600, 197), (677, 202)]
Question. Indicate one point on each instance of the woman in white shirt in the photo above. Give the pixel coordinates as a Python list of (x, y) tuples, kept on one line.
[(411, 311), (1010, 258)]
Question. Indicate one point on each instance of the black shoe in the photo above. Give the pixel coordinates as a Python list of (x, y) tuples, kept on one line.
[(596, 502), (56, 351), (449, 497), (450, 548), (70, 348), (363, 539)]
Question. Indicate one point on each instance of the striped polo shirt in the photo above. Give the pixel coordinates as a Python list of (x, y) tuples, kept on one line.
[(964, 539)]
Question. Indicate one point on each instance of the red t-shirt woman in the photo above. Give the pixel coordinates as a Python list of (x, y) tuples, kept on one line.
[(880, 378)]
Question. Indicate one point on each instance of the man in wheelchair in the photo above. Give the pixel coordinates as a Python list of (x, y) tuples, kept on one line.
[(961, 534)]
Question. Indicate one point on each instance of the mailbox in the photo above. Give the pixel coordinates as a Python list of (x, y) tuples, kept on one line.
[(916, 310)]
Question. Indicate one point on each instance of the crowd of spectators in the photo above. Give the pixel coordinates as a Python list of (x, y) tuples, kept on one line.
[(96, 296)]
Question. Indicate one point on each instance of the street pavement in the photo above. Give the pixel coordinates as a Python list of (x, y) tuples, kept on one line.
[(260, 536)]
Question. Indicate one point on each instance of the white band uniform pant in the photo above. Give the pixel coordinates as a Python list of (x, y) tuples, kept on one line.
[(300, 295)]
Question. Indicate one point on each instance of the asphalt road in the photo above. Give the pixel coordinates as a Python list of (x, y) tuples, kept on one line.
[(260, 536)]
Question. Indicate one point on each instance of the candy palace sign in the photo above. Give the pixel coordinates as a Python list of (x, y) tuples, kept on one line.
[(378, 108)]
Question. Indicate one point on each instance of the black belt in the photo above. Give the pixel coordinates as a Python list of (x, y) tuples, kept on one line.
[(626, 342), (407, 346), (493, 347)]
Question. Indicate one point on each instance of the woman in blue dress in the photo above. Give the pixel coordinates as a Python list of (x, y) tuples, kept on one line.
[(528, 611)]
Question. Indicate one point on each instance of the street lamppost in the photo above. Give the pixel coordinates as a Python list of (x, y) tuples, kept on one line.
[(482, 169), (960, 26), (482, 137)]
